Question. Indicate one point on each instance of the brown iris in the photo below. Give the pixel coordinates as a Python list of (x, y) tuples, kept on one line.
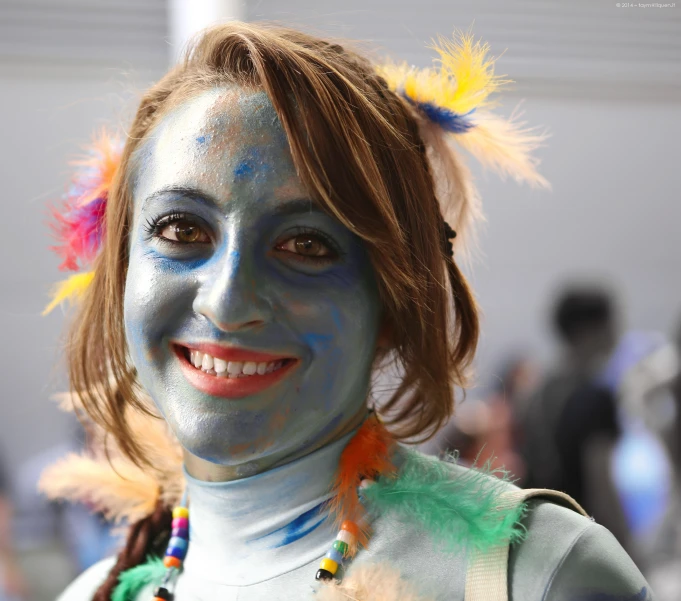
[(184, 232), (309, 245)]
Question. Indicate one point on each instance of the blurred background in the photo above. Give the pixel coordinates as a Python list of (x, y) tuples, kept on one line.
[(578, 370)]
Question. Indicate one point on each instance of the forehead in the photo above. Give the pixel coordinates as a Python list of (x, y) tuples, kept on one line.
[(227, 142)]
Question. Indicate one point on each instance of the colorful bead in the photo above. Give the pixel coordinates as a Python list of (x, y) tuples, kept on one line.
[(341, 547), (350, 527), (180, 533), (170, 561), (180, 523), (335, 556), (175, 552), (163, 593), (180, 512), (178, 543), (346, 537), (324, 575), (329, 565)]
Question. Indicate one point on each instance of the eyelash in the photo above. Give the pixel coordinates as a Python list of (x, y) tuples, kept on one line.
[(154, 226)]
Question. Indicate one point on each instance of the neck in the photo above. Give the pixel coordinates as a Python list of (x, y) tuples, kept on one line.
[(255, 528), (201, 469)]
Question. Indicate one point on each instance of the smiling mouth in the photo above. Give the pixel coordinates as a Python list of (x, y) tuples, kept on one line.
[(236, 374)]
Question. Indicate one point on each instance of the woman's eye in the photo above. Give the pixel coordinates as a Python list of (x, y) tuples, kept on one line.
[(307, 245), (184, 232)]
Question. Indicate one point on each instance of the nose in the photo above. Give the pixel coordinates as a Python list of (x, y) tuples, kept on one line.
[(228, 294)]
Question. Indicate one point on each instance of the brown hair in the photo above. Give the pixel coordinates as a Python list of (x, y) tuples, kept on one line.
[(357, 147)]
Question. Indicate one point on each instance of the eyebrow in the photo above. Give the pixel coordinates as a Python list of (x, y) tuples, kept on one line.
[(289, 207)]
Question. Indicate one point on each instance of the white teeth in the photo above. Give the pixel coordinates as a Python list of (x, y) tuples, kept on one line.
[(231, 369), (207, 363), (249, 368), (234, 368)]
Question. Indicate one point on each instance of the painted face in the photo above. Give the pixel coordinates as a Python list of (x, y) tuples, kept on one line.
[(250, 314)]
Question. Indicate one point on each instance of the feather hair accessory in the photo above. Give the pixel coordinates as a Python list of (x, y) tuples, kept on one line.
[(79, 225), (104, 479), (367, 455), (453, 100)]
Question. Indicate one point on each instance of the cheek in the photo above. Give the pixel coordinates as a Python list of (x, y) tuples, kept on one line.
[(153, 302), (340, 326)]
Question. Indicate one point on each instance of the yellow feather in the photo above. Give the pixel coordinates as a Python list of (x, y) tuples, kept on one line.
[(505, 146), (70, 289), (463, 82)]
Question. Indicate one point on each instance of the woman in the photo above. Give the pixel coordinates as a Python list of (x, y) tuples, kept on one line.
[(274, 233)]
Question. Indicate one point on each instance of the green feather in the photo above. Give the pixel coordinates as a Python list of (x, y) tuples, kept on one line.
[(459, 507), (132, 581)]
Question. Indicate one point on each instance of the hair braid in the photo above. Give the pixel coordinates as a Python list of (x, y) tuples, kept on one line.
[(146, 537)]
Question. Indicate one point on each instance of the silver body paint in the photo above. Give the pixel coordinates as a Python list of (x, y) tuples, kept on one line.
[(565, 557), (228, 145)]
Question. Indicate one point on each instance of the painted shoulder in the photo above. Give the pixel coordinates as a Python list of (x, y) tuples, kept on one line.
[(85, 586), (563, 556), (567, 557)]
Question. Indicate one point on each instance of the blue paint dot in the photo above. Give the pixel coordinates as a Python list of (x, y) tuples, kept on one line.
[(243, 169), (201, 139)]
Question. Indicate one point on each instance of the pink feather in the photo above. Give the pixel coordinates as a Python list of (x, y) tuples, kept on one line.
[(79, 226)]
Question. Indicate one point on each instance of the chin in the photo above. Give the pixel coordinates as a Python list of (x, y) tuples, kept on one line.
[(222, 442)]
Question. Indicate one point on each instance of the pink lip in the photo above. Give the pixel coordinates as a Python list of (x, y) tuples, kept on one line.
[(231, 388)]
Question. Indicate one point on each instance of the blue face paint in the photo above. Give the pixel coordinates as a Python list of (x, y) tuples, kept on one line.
[(244, 284)]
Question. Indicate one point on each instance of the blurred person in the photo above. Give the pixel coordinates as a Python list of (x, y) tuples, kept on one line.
[(483, 432), (13, 586), (272, 232), (664, 546), (570, 424), (640, 371)]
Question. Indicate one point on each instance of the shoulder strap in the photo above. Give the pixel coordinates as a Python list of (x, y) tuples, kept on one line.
[(487, 574)]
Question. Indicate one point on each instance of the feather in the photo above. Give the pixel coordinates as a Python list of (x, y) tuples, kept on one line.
[(97, 169), (70, 289), (80, 230), (448, 95), (459, 510), (118, 490), (454, 98), (108, 480), (368, 454), (132, 581), (505, 146), (370, 582), (79, 225)]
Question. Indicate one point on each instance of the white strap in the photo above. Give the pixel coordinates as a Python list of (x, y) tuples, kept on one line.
[(487, 574)]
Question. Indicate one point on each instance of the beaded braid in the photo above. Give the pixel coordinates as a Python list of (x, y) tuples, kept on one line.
[(147, 537)]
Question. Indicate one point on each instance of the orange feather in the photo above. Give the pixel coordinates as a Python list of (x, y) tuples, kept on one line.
[(100, 165), (367, 455)]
